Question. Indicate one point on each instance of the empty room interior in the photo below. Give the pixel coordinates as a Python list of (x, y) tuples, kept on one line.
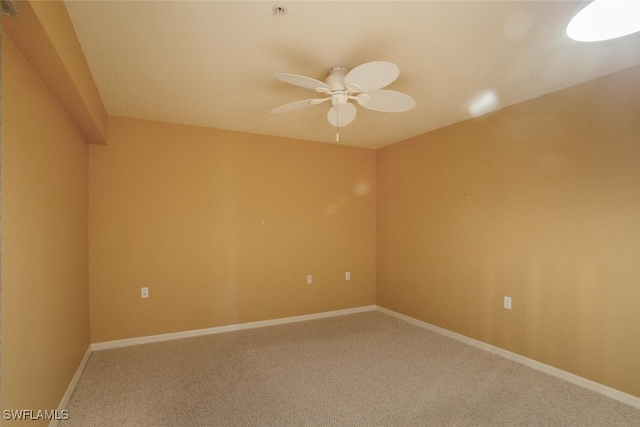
[(171, 169)]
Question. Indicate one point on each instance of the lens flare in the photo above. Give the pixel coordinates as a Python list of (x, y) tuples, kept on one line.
[(483, 103), (361, 188)]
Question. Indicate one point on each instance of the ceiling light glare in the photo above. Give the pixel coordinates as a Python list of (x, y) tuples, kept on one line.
[(483, 103), (605, 20)]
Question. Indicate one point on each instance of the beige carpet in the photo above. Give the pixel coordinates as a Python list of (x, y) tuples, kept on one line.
[(367, 369)]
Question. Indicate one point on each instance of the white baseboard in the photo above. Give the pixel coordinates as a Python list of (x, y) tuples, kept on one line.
[(547, 369), (72, 386), (221, 329)]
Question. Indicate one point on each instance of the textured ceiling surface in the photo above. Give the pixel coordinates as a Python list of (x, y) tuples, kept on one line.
[(211, 63)]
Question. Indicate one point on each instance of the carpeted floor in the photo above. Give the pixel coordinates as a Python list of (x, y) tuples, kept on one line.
[(367, 369)]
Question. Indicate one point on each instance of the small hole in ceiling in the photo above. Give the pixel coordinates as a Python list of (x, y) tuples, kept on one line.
[(279, 10)]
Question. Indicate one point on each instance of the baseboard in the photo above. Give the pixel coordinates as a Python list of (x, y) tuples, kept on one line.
[(547, 369), (229, 328), (71, 387)]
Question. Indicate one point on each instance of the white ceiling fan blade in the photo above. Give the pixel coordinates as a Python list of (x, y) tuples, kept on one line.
[(371, 76), (342, 115), (387, 101), (302, 81), (297, 105)]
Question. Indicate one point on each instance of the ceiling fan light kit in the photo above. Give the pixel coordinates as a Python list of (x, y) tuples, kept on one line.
[(363, 84)]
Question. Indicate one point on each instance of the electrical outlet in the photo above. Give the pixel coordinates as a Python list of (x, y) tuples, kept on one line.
[(309, 279), (144, 292), (507, 303), (347, 275)]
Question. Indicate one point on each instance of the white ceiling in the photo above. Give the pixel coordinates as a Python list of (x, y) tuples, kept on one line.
[(211, 63)]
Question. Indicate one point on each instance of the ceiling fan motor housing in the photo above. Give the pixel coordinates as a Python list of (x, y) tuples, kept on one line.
[(340, 94), (336, 78)]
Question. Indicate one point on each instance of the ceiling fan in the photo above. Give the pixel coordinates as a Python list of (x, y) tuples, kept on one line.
[(362, 84)]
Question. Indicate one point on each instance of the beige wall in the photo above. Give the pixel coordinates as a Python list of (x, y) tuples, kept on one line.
[(223, 228), (45, 316), (540, 202)]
